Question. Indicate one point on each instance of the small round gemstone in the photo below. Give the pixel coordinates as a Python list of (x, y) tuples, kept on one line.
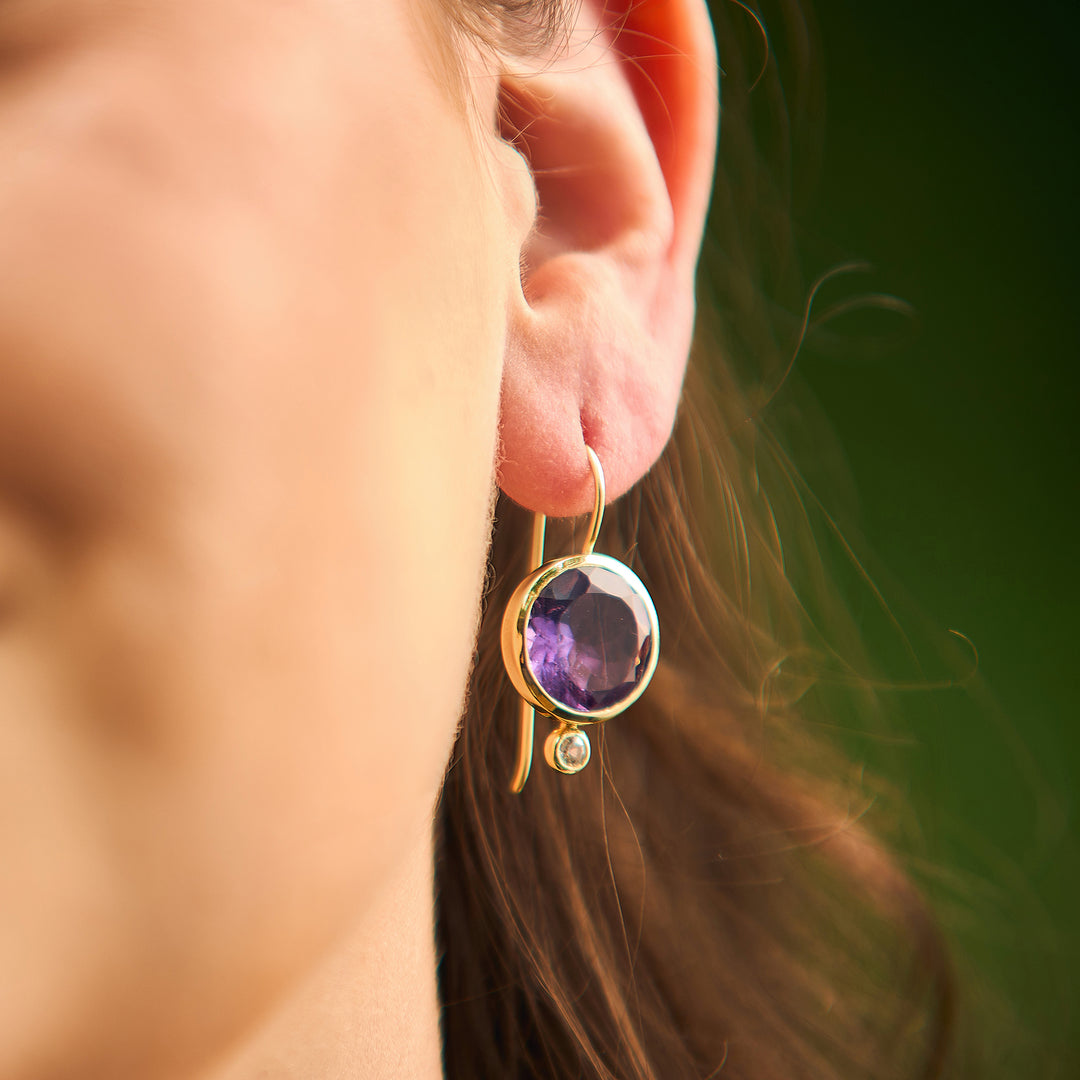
[(588, 639), (572, 751)]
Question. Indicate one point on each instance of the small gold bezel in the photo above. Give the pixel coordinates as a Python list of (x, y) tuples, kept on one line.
[(513, 637), (551, 744)]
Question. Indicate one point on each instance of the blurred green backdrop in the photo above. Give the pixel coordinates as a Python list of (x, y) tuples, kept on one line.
[(949, 161)]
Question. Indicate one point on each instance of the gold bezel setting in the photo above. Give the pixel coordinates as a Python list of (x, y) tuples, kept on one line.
[(567, 749), (516, 619)]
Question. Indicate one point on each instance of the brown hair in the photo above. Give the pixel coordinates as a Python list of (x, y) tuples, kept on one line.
[(703, 900)]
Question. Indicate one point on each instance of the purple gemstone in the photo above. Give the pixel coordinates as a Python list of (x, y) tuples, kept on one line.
[(588, 638)]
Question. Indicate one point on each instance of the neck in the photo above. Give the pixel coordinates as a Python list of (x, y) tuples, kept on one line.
[(371, 1009)]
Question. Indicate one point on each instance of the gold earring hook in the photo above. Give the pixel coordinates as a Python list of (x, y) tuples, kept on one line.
[(527, 722), (599, 499)]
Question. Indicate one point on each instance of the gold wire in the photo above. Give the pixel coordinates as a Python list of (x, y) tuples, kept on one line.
[(599, 499), (527, 722)]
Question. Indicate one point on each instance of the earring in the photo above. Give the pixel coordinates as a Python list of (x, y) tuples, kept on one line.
[(580, 640)]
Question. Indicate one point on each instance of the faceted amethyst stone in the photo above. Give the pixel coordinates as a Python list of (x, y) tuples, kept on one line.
[(588, 638)]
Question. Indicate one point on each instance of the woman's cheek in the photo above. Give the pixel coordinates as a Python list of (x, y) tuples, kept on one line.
[(249, 392)]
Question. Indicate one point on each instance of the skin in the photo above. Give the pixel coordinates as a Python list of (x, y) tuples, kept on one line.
[(262, 320)]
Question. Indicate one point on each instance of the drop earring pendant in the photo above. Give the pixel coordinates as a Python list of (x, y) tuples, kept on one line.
[(580, 640)]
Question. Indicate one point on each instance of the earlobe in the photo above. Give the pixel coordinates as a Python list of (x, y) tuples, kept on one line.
[(619, 132)]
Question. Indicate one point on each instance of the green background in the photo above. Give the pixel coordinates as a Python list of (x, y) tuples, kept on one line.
[(949, 162)]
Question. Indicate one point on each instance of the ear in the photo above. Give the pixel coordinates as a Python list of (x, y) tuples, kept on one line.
[(619, 131)]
